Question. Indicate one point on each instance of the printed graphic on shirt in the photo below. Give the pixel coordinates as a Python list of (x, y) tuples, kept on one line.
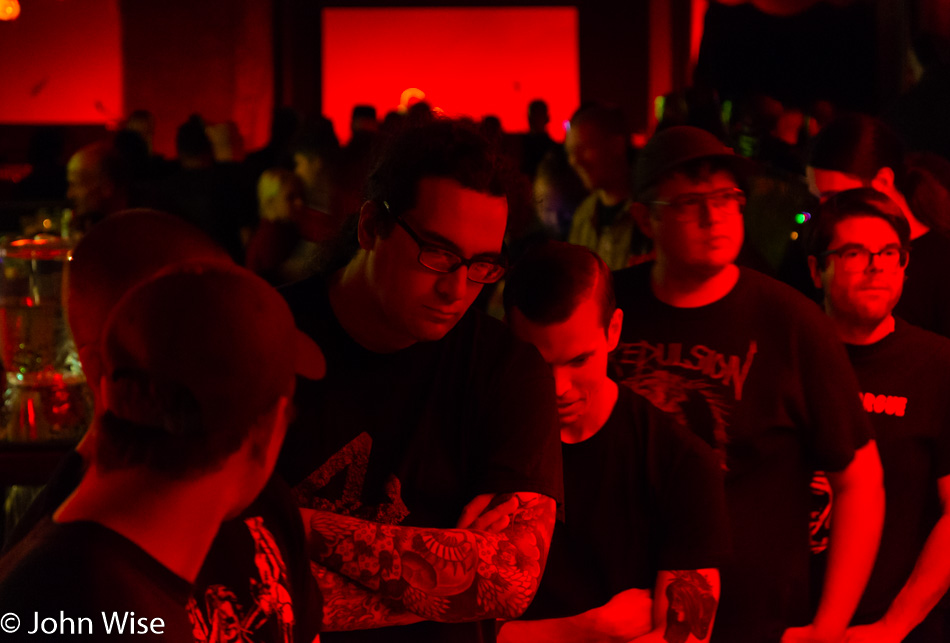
[(225, 620), (819, 519), (696, 385), (821, 496), (351, 462), (886, 404)]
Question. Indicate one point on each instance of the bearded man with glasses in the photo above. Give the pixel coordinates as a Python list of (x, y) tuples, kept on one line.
[(431, 485), (755, 369), (858, 259)]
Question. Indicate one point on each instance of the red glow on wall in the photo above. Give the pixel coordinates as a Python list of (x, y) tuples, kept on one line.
[(466, 61), (697, 23), (61, 62)]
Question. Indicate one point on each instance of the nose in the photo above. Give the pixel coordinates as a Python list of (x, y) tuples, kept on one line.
[(873, 265), (451, 286), (562, 383), (711, 213)]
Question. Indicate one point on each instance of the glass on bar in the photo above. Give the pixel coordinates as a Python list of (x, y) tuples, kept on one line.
[(46, 398)]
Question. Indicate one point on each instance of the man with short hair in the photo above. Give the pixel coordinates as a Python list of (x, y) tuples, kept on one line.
[(198, 368), (98, 184), (756, 370), (536, 143), (596, 145), (858, 255), (643, 496), (431, 412), (259, 555)]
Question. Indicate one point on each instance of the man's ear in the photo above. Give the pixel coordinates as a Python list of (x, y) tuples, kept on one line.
[(815, 272), (366, 229), (613, 329), (883, 181), (641, 214)]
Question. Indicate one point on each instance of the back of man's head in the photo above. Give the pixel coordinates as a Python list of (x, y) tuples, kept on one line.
[(193, 359), (363, 119), (859, 145), (123, 250), (440, 148), (609, 120), (553, 278), (193, 145), (538, 116), (99, 179), (316, 139)]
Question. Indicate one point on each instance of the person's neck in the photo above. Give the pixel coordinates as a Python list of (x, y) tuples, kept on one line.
[(613, 194), (689, 289), (174, 522), (862, 334), (601, 408), (357, 309)]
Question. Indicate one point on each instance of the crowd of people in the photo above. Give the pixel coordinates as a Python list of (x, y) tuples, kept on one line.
[(448, 384)]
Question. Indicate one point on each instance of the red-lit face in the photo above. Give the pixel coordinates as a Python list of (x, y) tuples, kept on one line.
[(594, 155), (288, 205), (312, 173), (702, 244), (864, 298), (419, 304), (576, 349), (825, 183), (87, 190)]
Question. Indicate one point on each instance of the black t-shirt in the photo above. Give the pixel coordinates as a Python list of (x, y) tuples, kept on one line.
[(762, 377), (903, 380), (94, 577), (257, 573), (642, 495), (411, 437), (925, 301), (256, 578)]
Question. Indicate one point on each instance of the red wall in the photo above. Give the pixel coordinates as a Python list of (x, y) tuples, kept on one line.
[(465, 61), (60, 62)]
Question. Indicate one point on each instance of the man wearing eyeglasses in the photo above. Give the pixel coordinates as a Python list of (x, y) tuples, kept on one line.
[(858, 258), (756, 370), (430, 488)]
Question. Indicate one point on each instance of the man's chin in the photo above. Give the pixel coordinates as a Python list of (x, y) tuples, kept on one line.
[(433, 331)]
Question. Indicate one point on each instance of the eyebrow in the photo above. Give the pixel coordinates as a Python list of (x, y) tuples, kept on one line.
[(436, 239), (579, 357)]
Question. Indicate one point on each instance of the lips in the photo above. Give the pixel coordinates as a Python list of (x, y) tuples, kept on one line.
[(568, 408), (441, 313)]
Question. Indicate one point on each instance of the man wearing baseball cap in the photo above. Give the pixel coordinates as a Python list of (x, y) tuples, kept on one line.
[(256, 556), (756, 370), (198, 367)]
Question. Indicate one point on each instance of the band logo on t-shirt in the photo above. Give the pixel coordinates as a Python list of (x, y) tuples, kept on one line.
[(352, 462), (886, 404), (688, 384)]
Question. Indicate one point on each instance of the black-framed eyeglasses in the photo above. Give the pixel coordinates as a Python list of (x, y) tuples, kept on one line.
[(856, 258), (482, 269), (690, 207)]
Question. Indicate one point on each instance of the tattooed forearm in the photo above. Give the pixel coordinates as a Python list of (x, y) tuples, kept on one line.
[(444, 575), (347, 605), (692, 597)]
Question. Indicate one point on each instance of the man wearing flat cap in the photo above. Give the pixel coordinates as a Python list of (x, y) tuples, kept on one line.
[(756, 370)]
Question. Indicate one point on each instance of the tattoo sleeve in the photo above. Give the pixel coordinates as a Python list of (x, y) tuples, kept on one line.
[(448, 575), (347, 605), (687, 602)]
